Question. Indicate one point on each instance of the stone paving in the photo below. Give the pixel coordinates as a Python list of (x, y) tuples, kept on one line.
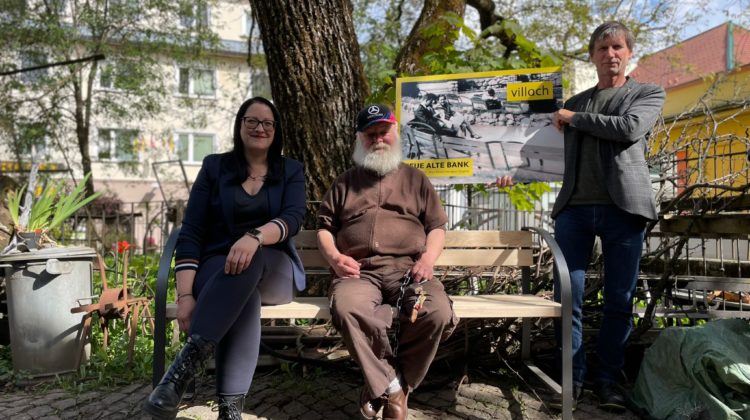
[(320, 395)]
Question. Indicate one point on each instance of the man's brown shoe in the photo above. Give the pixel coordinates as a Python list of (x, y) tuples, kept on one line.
[(369, 407), (396, 406)]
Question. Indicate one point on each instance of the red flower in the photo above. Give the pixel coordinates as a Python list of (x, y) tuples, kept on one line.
[(122, 246)]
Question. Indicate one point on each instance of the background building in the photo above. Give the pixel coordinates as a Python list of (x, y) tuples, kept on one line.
[(704, 139), (138, 157)]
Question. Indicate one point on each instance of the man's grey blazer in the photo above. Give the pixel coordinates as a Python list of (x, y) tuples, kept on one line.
[(622, 129)]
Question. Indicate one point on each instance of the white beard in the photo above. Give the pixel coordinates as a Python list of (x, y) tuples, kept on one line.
[(381, 161)]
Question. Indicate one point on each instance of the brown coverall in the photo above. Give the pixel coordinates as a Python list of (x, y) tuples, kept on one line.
[(382, 222)]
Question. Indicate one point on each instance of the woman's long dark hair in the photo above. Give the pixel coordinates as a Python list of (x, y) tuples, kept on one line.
[(275, 162)]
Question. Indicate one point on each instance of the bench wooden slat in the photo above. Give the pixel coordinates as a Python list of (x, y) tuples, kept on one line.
[(488, 238), (478, 306), (312, 258), (484, 257), (505, 306), (306, 239), (453, 239), (449, 257)]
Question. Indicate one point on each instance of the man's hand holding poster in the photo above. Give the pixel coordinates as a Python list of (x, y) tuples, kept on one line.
[(474, 127)]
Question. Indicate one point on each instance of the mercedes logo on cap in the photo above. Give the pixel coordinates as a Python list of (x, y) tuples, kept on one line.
[(373, 109)]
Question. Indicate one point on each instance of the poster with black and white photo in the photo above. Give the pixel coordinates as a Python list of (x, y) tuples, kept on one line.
[(473, 127)]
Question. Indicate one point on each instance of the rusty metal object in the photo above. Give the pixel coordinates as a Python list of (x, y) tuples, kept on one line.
[(730, 296), (113, 304)]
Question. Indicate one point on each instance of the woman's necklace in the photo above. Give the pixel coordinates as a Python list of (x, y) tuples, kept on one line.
[(256, 178), (261, 178)]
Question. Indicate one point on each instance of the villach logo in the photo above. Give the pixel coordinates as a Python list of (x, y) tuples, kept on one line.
[(531, 91)]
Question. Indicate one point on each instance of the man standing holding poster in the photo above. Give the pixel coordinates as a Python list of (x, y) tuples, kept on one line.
[(606, 192)]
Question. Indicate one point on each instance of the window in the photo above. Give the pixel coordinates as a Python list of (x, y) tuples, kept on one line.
[(32, 59), (194, 15), (192, 147), (106, 76), (260, 83), (32, 140), (123, 76), (198, 82), (247, 23), (58, 6), (117, 144), (133, 4)]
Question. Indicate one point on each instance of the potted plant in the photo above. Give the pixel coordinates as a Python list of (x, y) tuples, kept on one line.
[(42, 286), (42, 212)]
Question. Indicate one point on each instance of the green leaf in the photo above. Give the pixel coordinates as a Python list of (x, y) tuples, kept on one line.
[(70, 203), (14, 205)]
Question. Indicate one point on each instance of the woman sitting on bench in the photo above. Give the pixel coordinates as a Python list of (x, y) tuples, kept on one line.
[(234, 252)]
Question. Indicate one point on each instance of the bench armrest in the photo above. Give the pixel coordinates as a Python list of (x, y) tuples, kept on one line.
[(566, 320), (560, 266), (160, 306)]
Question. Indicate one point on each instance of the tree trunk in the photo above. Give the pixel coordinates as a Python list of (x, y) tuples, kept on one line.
[(317, 81), (82, 132), (408, 62)]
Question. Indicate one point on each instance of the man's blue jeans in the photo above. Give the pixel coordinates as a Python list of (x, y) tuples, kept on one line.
[(621, 236)]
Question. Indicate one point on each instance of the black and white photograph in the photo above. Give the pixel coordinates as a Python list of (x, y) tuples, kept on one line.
[(494, 123)]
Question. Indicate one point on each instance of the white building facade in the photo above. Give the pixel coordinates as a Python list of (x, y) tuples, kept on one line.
[(136, 160)]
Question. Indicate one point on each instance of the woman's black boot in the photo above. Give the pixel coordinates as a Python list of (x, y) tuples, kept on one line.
[(164, 399), (230, 407)]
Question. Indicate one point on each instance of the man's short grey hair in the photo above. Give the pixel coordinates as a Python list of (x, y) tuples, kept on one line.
[(608, 30)]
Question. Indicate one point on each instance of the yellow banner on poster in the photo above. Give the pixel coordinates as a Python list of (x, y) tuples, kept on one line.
[(444, 167), (530, 91)]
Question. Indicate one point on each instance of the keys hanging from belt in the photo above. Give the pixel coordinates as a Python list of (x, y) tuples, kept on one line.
[(421, 297), (405, 282)]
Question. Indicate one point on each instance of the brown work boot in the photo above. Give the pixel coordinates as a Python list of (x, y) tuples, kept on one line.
[(369, 407), (396, 406)]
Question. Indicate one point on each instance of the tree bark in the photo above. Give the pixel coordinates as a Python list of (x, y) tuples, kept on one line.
[(82, 110), (317, 80), (408, 62)]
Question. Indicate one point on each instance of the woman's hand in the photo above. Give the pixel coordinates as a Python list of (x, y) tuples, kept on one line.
[(241, 254), (185, 306)]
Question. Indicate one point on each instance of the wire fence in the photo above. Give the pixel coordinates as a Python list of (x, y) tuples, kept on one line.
[(714, 264), (146, 226)]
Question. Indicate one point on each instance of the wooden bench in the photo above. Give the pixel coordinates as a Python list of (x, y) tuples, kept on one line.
[(465, 249)]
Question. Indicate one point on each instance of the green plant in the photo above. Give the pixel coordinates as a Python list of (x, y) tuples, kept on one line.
[(108, 368), (7, 376), (50, 208)]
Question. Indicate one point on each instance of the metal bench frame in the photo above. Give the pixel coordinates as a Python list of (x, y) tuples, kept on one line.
[(463, 248)]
